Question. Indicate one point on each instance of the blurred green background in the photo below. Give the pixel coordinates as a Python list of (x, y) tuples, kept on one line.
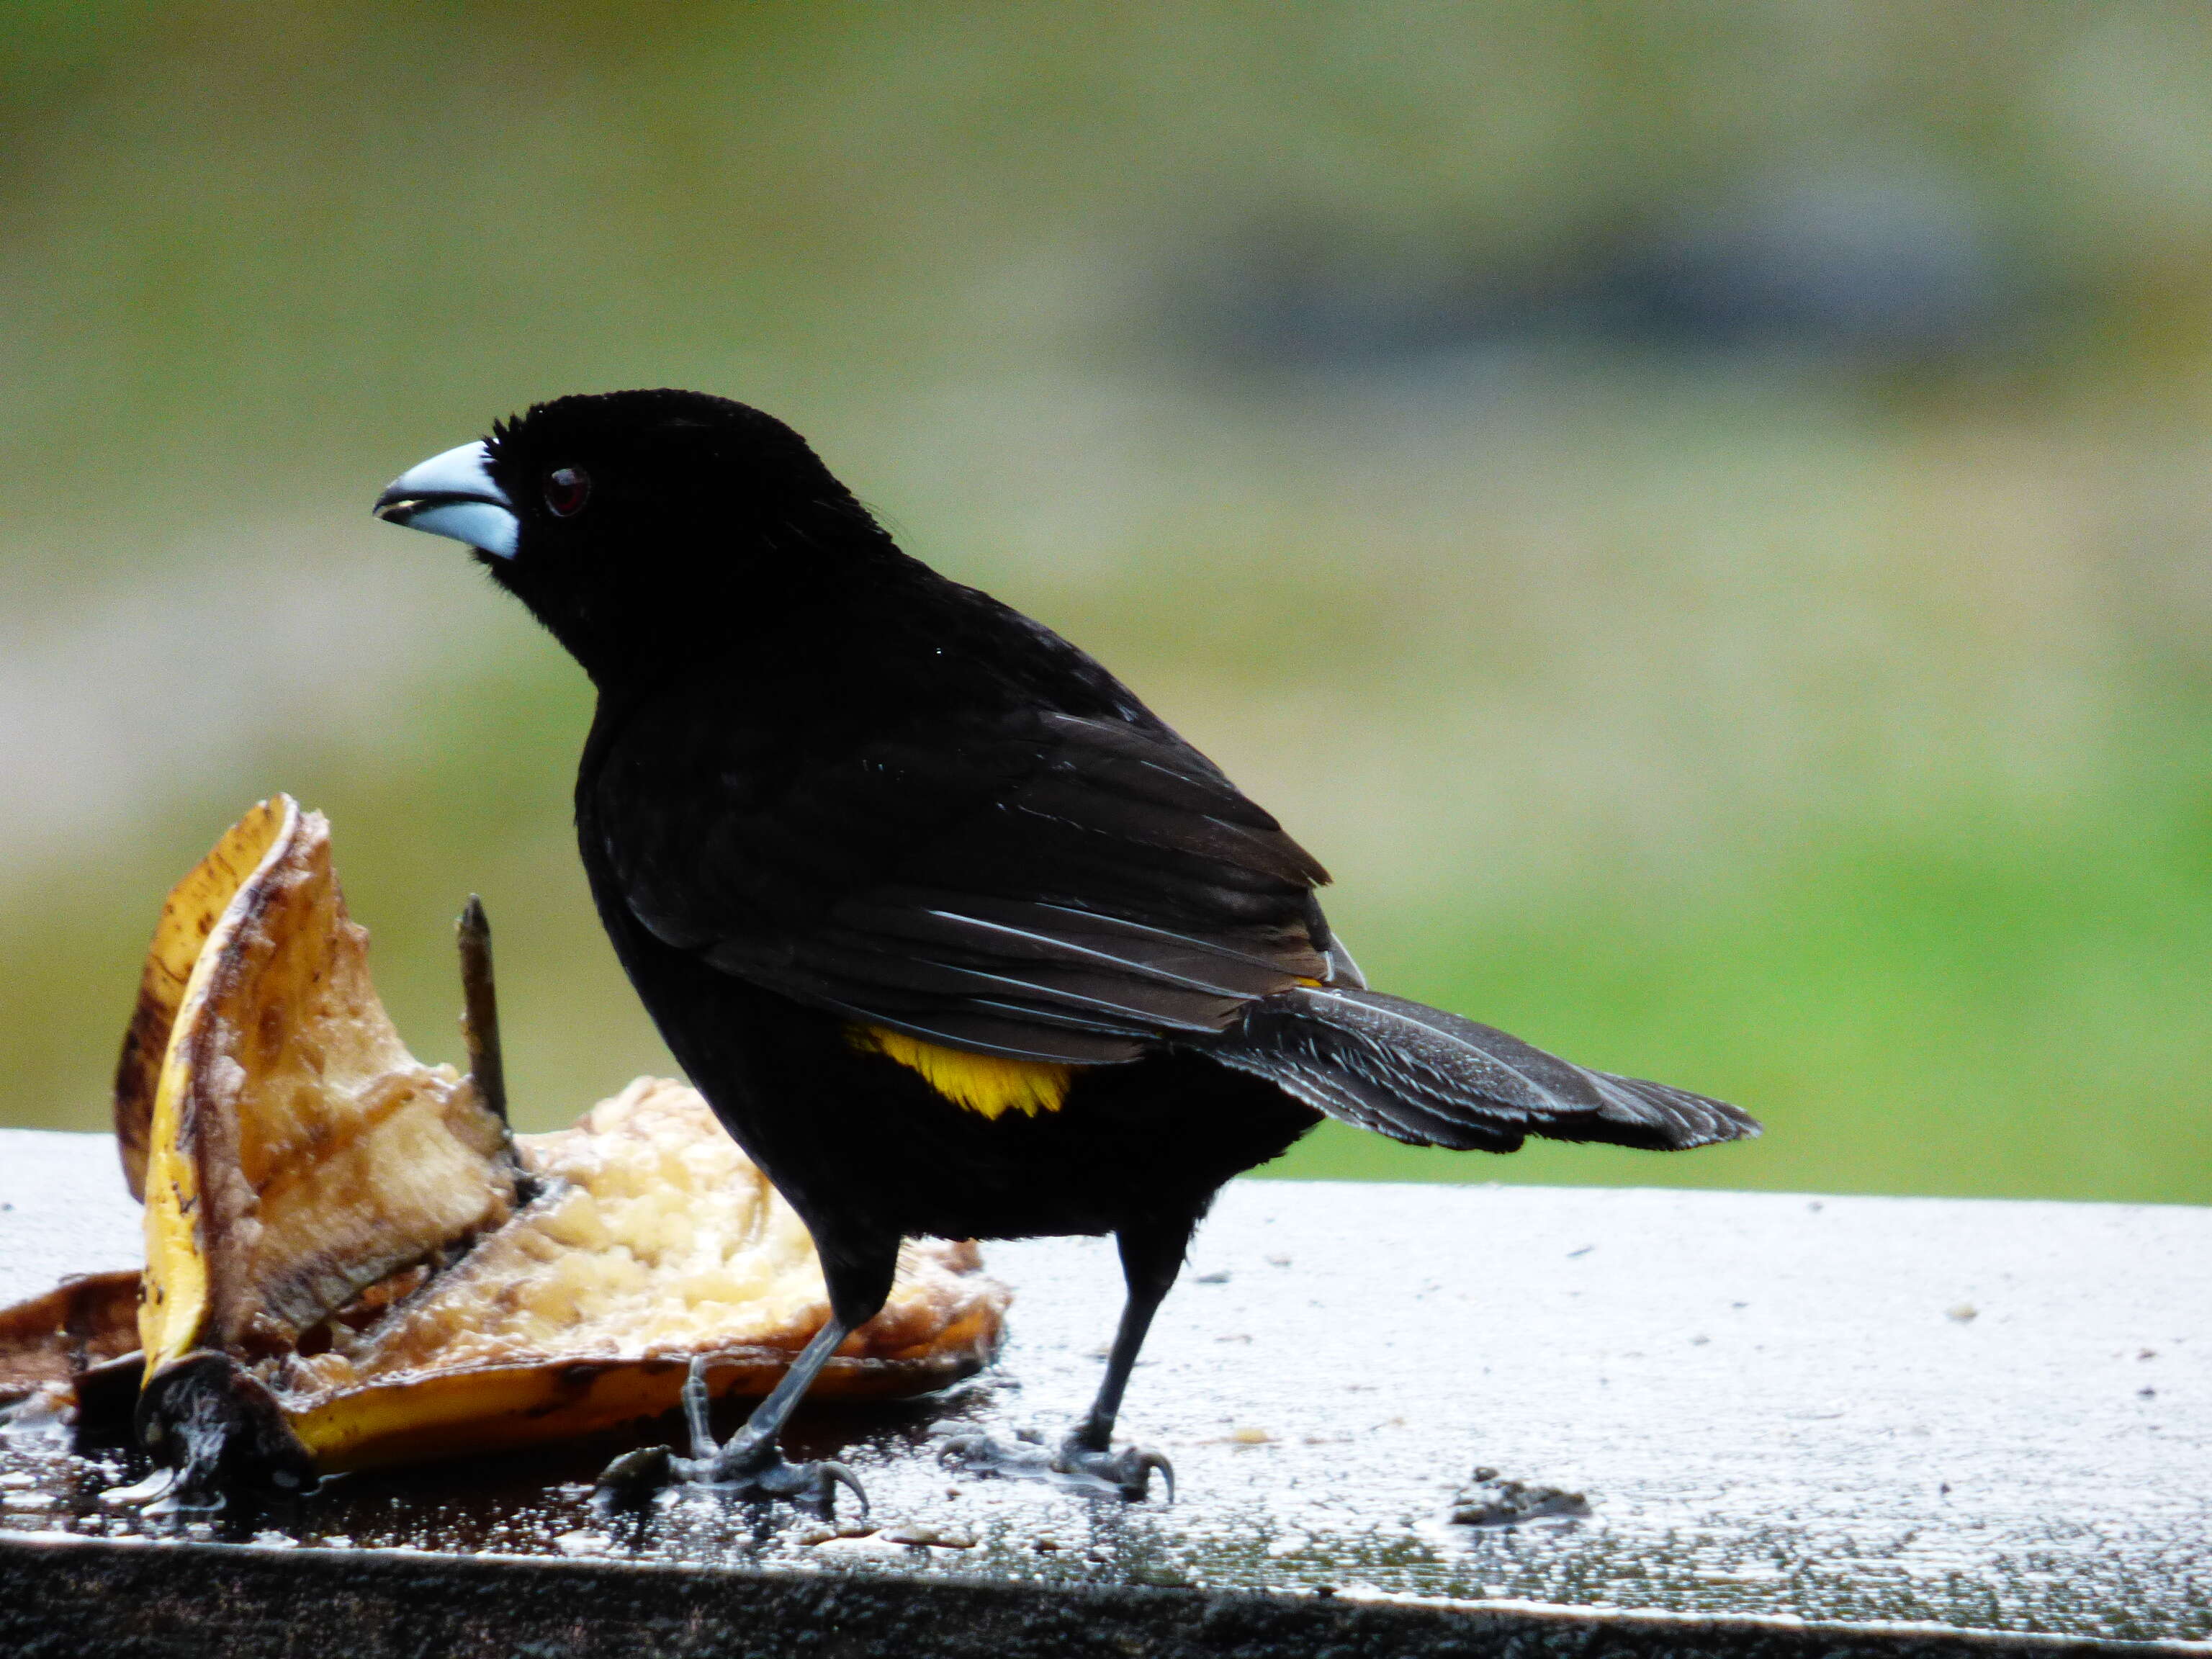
[(1698, 514)]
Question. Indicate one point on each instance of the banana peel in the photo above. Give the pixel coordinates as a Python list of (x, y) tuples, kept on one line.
[(350, 1262), (296, 1153), (86, 1322)]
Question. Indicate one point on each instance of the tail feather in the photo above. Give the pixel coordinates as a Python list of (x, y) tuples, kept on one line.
[(1431, 1078)]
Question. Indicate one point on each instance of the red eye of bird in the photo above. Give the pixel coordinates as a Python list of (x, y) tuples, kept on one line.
[(567, 490)]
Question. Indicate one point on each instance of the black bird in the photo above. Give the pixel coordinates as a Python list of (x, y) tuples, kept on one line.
[(958, 938)]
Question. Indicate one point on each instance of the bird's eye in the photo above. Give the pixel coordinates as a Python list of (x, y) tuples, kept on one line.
[(567, 490)]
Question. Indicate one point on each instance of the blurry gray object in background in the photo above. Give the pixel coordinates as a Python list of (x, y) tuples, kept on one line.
[(1872, 262)]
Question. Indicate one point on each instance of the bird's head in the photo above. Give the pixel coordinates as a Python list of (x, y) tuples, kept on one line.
[(642, 525)]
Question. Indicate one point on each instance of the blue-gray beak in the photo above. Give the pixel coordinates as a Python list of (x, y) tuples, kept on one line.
[(453, 495)]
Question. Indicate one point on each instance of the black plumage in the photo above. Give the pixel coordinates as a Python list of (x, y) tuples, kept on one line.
[(955, 934)]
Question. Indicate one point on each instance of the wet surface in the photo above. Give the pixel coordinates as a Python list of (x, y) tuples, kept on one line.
[(1983, 1416)]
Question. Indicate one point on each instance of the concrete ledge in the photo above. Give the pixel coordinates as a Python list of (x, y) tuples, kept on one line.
[(60, 1601), (1838, 1426)]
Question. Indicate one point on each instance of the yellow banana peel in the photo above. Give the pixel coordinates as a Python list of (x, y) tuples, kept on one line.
[(297, 1152)]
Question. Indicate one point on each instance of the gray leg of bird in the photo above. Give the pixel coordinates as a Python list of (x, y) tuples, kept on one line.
[(752, 1466), (1150, 1261), (749, 1465), (761, 1428), (1096, 1432)]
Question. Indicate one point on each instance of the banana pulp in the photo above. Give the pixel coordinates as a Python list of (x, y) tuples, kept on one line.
[(653, 1239)]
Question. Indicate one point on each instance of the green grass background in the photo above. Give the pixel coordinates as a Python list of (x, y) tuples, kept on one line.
[(1828, 736)]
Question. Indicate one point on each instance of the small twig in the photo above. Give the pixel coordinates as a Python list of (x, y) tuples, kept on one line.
[(480, 1007)]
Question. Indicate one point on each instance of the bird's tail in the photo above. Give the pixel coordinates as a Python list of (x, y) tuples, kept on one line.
[(1420, 1075)]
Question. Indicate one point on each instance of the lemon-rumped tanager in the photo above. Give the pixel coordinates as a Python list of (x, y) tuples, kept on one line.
[(955, 934)]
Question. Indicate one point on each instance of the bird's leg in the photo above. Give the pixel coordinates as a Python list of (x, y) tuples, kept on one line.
[(750, 1464), (1151, 1259)]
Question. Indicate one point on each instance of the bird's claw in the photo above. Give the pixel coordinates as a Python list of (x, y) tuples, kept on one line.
[(985, 1456), (1127, 1473), (746, 1468), (742, 1471), (634, 1480)]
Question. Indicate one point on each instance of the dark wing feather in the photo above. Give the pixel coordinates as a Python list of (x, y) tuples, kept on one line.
[(1421, 1075), (1033, 884)]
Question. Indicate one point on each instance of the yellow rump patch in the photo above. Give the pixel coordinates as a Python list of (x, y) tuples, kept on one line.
[(988, 1084)]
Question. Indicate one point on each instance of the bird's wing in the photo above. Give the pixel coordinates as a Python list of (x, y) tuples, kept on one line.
[(1040, 885)]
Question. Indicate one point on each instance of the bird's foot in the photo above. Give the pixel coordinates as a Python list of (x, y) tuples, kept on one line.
[(1129, 1471), (760, 1472), (750, 1467), (1077, 1462)]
